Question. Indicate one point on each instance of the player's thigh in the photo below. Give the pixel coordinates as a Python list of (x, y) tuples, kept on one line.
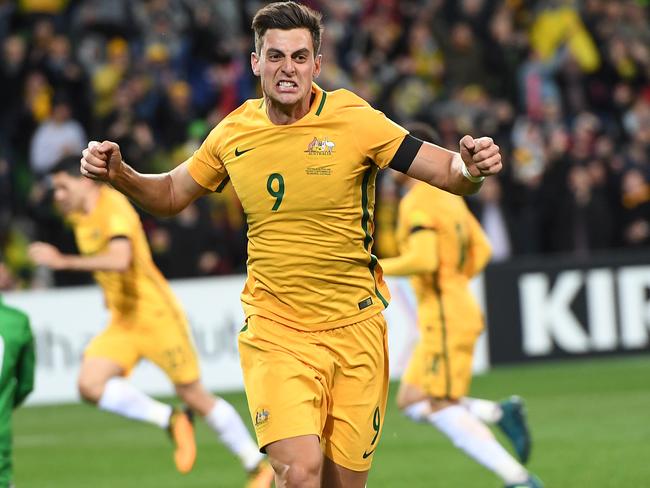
[(359, 393), (285, 377), (461, 352), (115, 345), (168, 344), (336, 476)]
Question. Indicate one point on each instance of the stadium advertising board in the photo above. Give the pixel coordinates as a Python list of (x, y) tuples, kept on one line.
[(65, 319), (564, 308)]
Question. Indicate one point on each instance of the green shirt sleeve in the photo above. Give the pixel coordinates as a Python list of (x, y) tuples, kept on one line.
[(25, 367)]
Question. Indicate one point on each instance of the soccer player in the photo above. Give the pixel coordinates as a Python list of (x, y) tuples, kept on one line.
[(442, 246), (146, 322), (303, 162), (16, 378)]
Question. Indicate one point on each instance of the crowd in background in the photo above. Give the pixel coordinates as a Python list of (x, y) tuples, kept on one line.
[(562, 86)]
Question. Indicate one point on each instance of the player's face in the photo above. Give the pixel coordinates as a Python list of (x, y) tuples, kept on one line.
[(286, 66), (68, 192)]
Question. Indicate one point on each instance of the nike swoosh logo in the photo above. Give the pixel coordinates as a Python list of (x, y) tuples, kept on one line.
[(239, 153), (367, 454)]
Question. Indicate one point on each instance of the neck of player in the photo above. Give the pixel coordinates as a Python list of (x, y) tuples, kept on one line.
[(281, 114)]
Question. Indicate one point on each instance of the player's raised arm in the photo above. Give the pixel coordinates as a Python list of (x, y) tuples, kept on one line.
[(162, 194), (458, 172)]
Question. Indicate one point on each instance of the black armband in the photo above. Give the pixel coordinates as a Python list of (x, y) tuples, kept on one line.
[(406, 153), (222, 185)]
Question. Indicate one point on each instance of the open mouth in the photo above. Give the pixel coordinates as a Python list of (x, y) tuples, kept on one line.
[(286, 85)]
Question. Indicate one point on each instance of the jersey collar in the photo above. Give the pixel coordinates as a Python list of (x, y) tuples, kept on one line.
[(318, 95)]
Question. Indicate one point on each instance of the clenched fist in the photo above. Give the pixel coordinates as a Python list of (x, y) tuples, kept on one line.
[(101, 161), (481, 156)]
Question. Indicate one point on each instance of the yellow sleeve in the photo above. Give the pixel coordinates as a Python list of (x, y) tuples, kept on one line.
[(419, 252), (205, 165), (480, 249), (378, 137), (419, 256), (119, 222)]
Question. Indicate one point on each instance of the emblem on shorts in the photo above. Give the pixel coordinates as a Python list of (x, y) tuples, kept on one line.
[(261, 417), (320, 147), (365, 303)]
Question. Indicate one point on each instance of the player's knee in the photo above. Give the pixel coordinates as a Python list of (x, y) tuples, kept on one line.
[(301, 473), (437, 404), (90, 389), (402, 402)]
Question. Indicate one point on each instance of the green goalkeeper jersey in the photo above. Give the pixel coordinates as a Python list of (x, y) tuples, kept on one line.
[(16, 377)]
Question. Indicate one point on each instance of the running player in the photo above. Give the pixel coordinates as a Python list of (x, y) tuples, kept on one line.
[(146, 322), (442, 247), (303, 163)]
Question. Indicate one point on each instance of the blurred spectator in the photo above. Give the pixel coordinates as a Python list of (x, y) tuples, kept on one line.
[(13, 71), (56, 137), (175, 114), (636, 204), (108, 75), (494, 217)]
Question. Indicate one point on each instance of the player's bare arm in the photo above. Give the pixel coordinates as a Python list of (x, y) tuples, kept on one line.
[(117, 257), (457, 172), (162, 194)]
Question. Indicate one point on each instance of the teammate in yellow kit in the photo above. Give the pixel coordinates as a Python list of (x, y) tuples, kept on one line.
[(146, 322), (442, 246), (303, 163)]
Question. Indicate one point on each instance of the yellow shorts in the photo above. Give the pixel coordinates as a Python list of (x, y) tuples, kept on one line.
[(441, 363), (330, 383), (165, 341)]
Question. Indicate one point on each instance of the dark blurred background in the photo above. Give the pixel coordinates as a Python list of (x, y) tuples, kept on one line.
[(562, 86)]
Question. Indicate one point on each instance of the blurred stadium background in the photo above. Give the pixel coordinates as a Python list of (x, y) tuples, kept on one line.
[(562, 86)]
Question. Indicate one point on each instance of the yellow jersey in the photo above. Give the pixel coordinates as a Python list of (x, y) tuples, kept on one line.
[(308, 192), (462, 251), (139, 292)]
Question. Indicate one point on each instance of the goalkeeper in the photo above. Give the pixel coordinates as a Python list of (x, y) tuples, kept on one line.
[(16, 377)]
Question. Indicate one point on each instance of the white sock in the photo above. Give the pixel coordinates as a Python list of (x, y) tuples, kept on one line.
[(484, 410), (122, 398), (472, 436), (227, 423), (418, 411)]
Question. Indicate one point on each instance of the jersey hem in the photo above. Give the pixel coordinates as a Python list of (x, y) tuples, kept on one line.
[(251, 310)]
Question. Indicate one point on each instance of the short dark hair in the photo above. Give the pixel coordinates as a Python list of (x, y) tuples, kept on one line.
[(287, 16), (70, 165), (423, 131)]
